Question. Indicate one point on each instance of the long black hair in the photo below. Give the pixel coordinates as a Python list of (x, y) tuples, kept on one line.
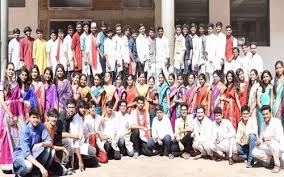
[(26, 82), (276, 78), (262, 84), (7, 85), (235, 81)]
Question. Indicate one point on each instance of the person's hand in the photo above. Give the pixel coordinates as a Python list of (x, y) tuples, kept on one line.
[(259, 142), (43, 172), (76, 136), (145, 129), (222, 61), (37, 146), (81, 166), (108, 66), (65, 151), (160, 142), (188, 62)]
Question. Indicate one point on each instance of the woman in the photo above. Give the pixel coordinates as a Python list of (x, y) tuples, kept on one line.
[(203, 95), (27, 91), (131, 93), (51, 97), (263, 96), (110, 93), (243, 86), (119, 85), (39, 88), (96, 93), (11, 118), (180, 97), (63, 86), (142, 87), (230, 100), (84, 90), (164, 93), (252, 92), (173, 92), (191, 92), (217, 89), (75, 86), (278, 92), (152, 98)]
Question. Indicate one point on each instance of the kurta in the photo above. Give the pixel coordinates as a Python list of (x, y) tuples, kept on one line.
[(39, 54), (76, 46), (26, 51)]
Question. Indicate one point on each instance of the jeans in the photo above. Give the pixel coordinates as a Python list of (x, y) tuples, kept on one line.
[(23, 167), (122, 147), (186, 141), (167, 143), (246, 150), (111, 153), (139, 145)]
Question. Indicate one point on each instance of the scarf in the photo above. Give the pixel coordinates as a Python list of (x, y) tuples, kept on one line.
[(144, 123), (94, 52)]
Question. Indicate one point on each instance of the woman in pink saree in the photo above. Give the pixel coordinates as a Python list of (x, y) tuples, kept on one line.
[(11, 117), (191, 93)]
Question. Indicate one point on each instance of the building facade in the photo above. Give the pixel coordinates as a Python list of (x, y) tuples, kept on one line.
[(258, 21)]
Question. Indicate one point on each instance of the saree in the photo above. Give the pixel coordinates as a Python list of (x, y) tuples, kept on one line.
[(51, 97), (108, 95), (96, 92), (84, 93), (190, 98), (142, 90), (9, 133), (278, 102), (64, 92), (40, 95), (216, 92), (230, 109), (243, 93), (152, 94), (181, 92), (163, 91), (264, 100), (119, 90), (252, 101), (173, 115), (131, 96), (30, 99), (202, 97)]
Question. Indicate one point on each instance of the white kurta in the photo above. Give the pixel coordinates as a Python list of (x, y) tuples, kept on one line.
[(255, 62), (179, 51), (196, 52), (220, 48), (89, 52), (50, 48), (108, 130), (161, 128), (244, 60), (62, 55), (14, 51), (110, 48), (68, 42), (142, 48), (211, 49), (122, 51), (234, 64), (162, 51), (151, 63)]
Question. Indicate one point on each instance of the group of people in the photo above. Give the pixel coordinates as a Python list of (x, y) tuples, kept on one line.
[(82, 99)]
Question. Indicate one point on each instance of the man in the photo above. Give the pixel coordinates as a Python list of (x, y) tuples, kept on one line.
[(83, 41), (50, 50), (61, 51), (235, 63), (188, 51), (142, 49), (162, 52), (162, 133), (85, 153), (244, 60), (220, 49), (182, 143), (14, 51), (39, 51), (196, 50), (123, 130), (223, 134), (202, 133), (151, 64), (68, 43), (108, 133), (179, 51), (76, 47), (122, 49), (92, 52), (210, 63), (256, 61), (270, 142), (245, 137), (109, 51), (132, 35), (202, 31), (140, 127), (231, 42), (26, 48), (34, 148), (100, 43)]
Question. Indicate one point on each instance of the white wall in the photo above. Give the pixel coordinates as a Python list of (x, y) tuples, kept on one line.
[(19, 17)]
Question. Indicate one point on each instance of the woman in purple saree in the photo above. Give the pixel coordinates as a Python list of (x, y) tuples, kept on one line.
[(11, 118)]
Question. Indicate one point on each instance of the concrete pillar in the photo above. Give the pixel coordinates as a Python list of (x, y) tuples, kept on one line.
[(4, 36), (168, 22), (220, 12), (158, 13)]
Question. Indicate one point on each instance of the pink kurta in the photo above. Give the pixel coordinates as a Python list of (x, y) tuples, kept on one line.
[(26, 51)]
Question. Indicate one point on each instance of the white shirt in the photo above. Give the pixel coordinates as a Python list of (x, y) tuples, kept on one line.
[(246, 129), (220, 45), (161, 128), (142, 48), (181, 124), (162, 50), (92, 124), (211, 50), (196, 51), (109, 49), (62, 53), (225, 130), (233, 65), (179, 51), (121, 123), (256, 62), (273, 129), (68, 43), (50, 48), (244, 60), (77, 127), (133, 122), (14, 51), (202, 131), (122, 49)]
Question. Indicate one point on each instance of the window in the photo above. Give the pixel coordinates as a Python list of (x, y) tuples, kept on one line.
[(191, 11), (70, 3), (63, 24), (138, 3), (250, 21), (16, 3)]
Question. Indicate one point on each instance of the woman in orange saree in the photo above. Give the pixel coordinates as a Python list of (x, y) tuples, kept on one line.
[(203, 95), (243, 95), (110, 93), (191, 91), (230, 100), (131, 92)]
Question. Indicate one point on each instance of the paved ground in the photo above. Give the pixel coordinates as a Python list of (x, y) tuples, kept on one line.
[(164, 167)]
